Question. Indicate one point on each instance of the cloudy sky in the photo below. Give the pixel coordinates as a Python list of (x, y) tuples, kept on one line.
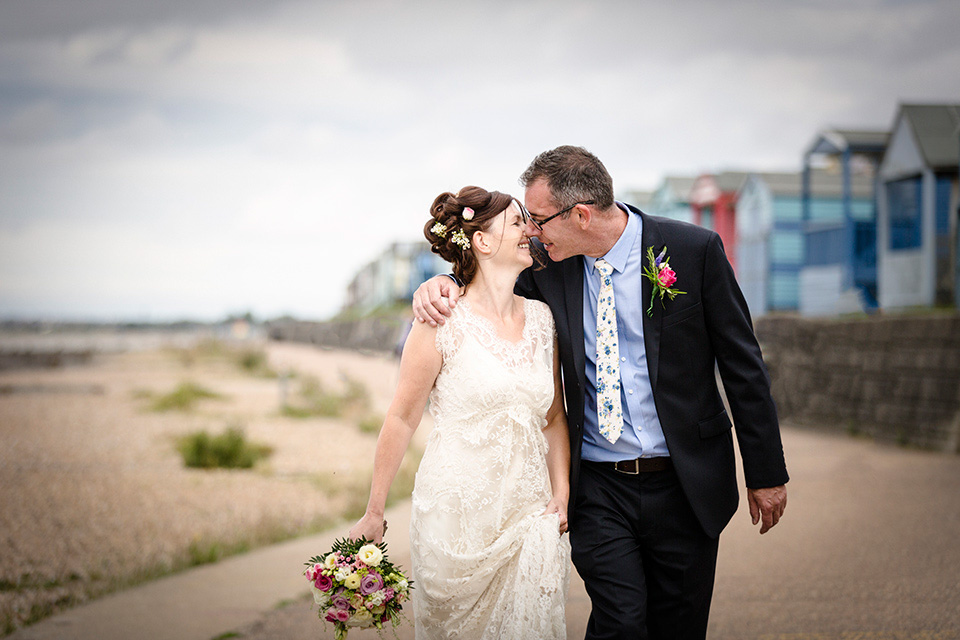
[(163, 159)]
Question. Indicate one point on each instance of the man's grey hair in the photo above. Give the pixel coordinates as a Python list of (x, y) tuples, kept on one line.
[(573, 174)]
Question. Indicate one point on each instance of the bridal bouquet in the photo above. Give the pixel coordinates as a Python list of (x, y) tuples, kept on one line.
[(355, 585)]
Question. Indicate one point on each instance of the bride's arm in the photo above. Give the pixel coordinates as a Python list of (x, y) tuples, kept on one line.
[(419, 367), (558, 443)]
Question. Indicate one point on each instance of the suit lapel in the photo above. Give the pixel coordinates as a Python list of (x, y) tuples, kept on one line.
[(573, 298), (650, 237)]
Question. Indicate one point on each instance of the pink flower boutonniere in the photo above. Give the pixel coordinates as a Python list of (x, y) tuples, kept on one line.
[(661, 276)]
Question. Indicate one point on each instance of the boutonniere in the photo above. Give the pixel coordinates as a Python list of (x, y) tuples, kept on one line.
[(662, 277)]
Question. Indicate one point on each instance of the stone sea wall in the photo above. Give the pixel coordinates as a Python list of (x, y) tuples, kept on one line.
[(893, 378), (382, 334)]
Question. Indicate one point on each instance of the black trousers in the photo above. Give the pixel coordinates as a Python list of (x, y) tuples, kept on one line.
[(646, 562)]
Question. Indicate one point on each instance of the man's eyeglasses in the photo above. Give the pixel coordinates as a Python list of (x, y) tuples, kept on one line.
[(539, 223)]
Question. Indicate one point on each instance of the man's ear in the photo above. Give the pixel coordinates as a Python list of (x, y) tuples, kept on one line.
[(584, 216)]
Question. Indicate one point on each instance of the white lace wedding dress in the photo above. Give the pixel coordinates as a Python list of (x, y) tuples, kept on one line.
[(486, 562)]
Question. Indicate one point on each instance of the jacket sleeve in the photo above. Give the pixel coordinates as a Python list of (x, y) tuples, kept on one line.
[(527, 286), (743, 372)]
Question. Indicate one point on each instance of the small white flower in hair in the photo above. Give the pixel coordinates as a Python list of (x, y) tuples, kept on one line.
[(460, 239), (467, 213)]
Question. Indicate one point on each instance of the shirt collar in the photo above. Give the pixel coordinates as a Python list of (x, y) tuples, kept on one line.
[(618, 254)]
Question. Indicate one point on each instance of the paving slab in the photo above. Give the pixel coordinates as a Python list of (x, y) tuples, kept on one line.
[(868, 550)]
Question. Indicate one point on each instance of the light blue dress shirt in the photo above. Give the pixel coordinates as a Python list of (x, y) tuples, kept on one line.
[(642, 435)]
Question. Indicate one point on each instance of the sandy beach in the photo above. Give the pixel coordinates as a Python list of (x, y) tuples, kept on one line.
[(96, 495)]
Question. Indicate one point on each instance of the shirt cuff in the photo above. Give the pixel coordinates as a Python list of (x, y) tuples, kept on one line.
[(454, 278)]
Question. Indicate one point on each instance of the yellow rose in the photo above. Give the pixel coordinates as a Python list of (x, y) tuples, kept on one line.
[(370, 555), (352, 581), (330, 561)]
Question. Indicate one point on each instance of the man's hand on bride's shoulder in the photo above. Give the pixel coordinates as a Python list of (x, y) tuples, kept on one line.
[(434, 300), (558, 507), (370, 526)]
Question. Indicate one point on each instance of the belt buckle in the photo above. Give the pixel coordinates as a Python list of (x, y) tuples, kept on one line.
[(636, 467)]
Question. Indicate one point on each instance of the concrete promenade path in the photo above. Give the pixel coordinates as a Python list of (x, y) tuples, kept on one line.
[(869, 549)]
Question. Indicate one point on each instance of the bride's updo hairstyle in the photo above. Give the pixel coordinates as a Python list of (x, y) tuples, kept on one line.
[(448, 230)]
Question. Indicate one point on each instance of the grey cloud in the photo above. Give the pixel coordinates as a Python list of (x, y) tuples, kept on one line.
[(43, 19)]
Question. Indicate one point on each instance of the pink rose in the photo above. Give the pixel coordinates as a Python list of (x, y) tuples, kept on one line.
[(370, 583), (343, 615), (324, 583), (331, 615), (666, 277)]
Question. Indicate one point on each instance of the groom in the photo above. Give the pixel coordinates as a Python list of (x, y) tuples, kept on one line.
[(653, 477)]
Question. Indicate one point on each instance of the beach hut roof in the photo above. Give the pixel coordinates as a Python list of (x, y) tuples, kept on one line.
[(936, 128)]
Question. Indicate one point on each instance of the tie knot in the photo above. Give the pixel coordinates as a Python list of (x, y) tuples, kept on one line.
[(604, 267)]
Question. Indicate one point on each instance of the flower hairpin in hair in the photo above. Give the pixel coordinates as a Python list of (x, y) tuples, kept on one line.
[(439, 229), (467, 213), (460, 239)]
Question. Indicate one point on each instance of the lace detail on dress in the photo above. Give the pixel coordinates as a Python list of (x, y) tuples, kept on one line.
[(487, 563)]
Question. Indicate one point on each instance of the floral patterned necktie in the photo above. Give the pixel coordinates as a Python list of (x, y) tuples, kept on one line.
[(609, 409)]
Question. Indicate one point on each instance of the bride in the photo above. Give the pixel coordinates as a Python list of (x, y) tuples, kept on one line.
[(490, 498)]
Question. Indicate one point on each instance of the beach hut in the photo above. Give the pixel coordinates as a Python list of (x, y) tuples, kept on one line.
[(838, 203), (918, 208), (671, 199), (769, 241), (713, 203)]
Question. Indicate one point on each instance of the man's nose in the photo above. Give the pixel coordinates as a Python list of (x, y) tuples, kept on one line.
[(532, 230)]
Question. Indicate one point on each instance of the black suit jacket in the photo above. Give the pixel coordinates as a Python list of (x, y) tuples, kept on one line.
[(684, 340)]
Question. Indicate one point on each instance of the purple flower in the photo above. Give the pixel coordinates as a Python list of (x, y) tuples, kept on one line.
[(660, 257), (340, 601), (324, 583), (370, 583)]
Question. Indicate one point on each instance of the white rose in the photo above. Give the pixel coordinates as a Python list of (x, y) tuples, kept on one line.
[(330, 561), (370, 555), (362, 618), (341, 574), (352, 581), (320, 597)]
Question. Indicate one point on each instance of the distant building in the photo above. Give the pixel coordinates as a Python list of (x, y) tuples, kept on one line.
[(671, 199), (918, 209), (838, 200), (393, 276), (639, 199)]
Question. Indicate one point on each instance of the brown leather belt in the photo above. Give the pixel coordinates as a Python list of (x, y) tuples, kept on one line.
[(637, 465)]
